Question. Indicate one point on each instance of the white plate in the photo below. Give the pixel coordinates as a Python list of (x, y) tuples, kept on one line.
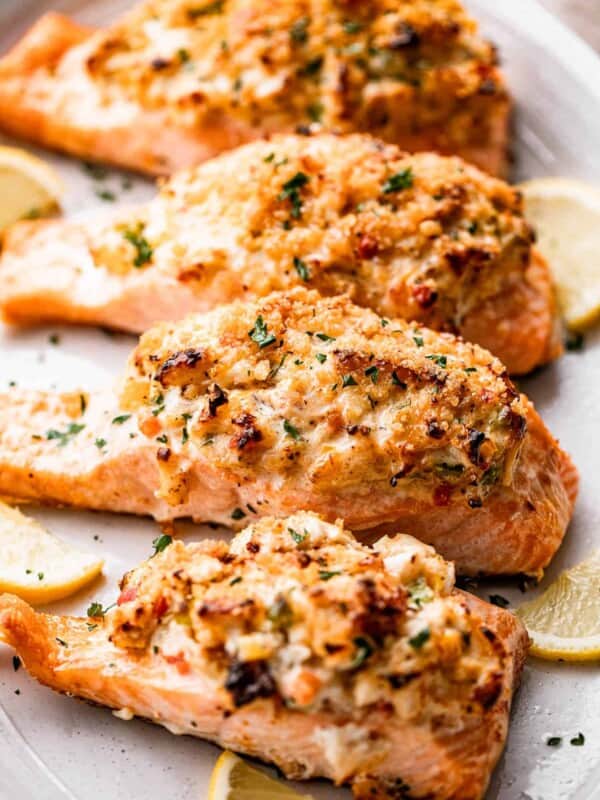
[(52, 748)]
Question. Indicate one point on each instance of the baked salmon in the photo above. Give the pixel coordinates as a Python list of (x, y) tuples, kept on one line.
[(176, 82), (302, 647), (423, 237), (298, 402)]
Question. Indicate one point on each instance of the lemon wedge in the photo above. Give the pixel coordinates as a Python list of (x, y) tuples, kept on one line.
[(28, 187), (233, 779), (37, 566), (566, 216), (564, 622)]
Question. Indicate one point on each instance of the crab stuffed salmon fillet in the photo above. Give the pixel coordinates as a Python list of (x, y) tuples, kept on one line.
[(302, 647), (423, 237), (299, 402), (176, 82)]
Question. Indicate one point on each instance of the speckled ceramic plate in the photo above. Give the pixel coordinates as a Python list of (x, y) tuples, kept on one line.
[(53, 748)]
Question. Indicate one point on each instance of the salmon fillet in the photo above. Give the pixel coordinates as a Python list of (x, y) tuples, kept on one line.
[(303, 402), (176, 82), (300, 646), (422, 237)]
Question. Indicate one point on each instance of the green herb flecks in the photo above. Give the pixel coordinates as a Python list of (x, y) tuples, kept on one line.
[(420, 639), (301, 268), (327, 575), (419, 593), (143, 250), (121, 419), (297, 537), (161, 543), (98, 610), (291, 430), (238, 513), (291, 191), (64, 437), (260, 333), (399, 181), (364, 649)]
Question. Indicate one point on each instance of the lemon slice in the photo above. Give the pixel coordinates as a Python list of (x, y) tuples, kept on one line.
[(28, 186), (564, 622), (566, 216), (36, 565), (233, 779)]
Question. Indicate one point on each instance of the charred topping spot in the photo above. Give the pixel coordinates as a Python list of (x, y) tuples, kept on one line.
[(216, 398), (352, 430), (184, 359), (400, 474), (490, 691), (253, 547), (163, 453), (434, 430), (405, 36), (398, 681), (248, 680), (249, 433), (475, 441)]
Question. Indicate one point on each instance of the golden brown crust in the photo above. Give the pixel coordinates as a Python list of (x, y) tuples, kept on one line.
[(298, 645), (196, 79), (421, 237)]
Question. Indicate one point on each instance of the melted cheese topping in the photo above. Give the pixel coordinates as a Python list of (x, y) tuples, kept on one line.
[(298, 609), (306, 393)]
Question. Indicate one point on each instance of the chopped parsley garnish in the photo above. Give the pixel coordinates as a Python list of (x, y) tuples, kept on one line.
[(291, 430), (100, 443), (579, 740), (260, 333), (298, 31), (441, 361), (291, 192), (269, 158), (315, 111), (82, 403), (348, 380), (418, 340), (399, 181), (183, 55), (324, 337), (161, 543), (351, 26), (237, 579), (163, 438), (54, 338), (312, 67), (554, 741), (238, 513), (159, 404), (297, 537), (96, 171), (273, 372), (364, 648), (63, 437), (470, 369), (61, 642), (301, 268), (574, 342), (321, 358), (216, 7), (326, 575), (97, 609), (498, 600), (384, 322), (184, 431), (121, 419), (419, 639), (106, 195), (142, 247), (40, 576), (420, 592), (373, 373)]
